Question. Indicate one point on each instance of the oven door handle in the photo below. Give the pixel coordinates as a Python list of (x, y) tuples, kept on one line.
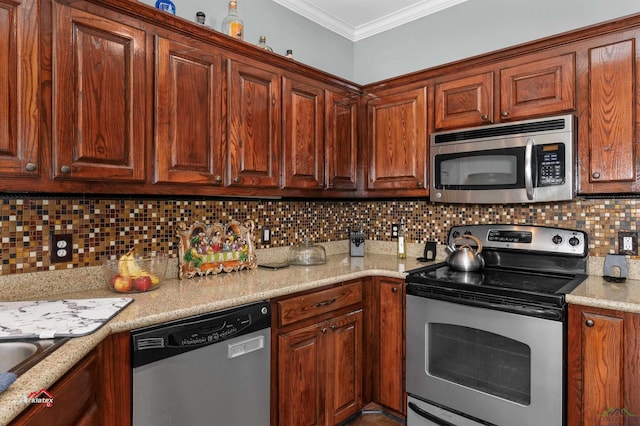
[(539, 312), (429, 416)]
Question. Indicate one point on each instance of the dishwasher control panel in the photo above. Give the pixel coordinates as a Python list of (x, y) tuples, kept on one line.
[(162, 341)]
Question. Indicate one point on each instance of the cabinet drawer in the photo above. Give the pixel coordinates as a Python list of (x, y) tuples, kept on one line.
[(318, 303)]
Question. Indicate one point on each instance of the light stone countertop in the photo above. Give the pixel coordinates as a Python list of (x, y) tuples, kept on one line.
[(182, 298)]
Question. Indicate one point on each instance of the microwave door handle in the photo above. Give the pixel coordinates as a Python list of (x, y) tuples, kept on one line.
[(528, 168)]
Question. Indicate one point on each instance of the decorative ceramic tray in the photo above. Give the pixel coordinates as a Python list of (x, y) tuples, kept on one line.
[(211, 249)]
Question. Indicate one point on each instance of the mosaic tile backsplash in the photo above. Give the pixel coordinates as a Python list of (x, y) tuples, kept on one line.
[(106, 228)]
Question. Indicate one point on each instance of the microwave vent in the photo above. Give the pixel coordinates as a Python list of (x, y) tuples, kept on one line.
[(502, 130)]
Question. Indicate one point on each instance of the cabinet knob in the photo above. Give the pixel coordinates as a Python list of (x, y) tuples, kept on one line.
[(505, 113), (333, 326), (218, 178), (65, 169), (589, 323), (394, 289), (31, 167), (324, 330), (236, 179), (484, 117), (596, 175), (419, 184)]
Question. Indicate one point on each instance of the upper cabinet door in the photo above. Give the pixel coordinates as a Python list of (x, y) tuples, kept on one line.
[(99, 118), (19, 111), (253, 113), (608, 123), (188, 92), (397, 125), (341, 141), (303, 135), (542, 87), (463, 102)]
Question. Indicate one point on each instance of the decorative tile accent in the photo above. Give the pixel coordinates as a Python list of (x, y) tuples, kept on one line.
[(109, 227)]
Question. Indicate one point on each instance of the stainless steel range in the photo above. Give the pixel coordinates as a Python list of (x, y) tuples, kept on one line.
[(489, 347)]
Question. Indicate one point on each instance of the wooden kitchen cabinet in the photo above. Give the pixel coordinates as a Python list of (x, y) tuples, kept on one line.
[(390, 346), (303, 127), (318, 356), (188, 146), (464, 102), (97, 391), (99, 97), (19, 100), (341, 140), (609, 120), (397, 141), (253, 109), (603, 366), (525, 88)]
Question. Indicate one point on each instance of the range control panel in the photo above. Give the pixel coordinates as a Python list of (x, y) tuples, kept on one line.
[(523, 237)]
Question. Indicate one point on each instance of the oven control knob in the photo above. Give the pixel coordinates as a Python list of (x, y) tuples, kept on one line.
[(557, 239), (574, 241), (455, 234)]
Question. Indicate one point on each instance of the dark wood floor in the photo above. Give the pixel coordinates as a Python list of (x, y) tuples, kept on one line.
[(374, 420)]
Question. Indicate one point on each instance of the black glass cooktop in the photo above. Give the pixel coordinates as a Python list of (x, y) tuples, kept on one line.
[(499, 282)]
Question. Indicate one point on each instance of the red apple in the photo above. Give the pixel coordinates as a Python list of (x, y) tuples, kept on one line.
[(121, 284), (142, 283)]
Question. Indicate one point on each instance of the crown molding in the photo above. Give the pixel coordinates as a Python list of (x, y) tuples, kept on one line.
[(384, 23)]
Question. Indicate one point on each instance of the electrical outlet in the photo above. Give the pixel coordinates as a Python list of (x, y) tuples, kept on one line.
[(61, 248), (394, 230), (628, 243), (266, 235)]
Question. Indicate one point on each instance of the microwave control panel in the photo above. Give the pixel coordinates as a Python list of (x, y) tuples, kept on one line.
[(550, 159)]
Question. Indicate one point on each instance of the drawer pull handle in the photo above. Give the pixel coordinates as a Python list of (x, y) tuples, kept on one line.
[(325, 303), (333, 326), (589, 323)]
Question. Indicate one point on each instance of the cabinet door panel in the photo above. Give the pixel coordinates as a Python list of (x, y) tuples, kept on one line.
[(303, 135), (391, 326), (254, 127), (397, 141), (99, 103), (19, 137), (466, 101), (538, 88), (611, 93), (188, 114), (344, 363), (341, 140), (602, 353), (301, 376)]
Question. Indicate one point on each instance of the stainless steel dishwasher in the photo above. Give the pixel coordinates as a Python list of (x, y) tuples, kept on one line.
[(209, 369)]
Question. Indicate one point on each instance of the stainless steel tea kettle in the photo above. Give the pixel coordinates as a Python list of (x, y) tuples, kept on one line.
[(465, 258)]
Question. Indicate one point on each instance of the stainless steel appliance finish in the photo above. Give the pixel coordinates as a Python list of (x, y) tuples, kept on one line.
[(490, 346), (520, 162), (204, 370)]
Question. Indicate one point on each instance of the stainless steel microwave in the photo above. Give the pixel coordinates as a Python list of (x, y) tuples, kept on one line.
[(521, 162)]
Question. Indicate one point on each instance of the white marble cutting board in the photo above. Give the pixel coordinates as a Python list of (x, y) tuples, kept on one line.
[(46, 319)]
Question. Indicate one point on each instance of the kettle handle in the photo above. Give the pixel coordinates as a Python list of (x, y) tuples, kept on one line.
[(470, 237)]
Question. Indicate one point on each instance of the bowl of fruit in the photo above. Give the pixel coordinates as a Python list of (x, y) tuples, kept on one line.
[(132, 273)]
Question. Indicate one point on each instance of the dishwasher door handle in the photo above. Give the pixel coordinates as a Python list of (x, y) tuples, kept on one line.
[(245, 347)]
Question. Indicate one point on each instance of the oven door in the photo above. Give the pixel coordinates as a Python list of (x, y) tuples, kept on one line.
[(498, 367)]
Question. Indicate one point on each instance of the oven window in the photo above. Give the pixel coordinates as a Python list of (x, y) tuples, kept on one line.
[(480, 360)]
